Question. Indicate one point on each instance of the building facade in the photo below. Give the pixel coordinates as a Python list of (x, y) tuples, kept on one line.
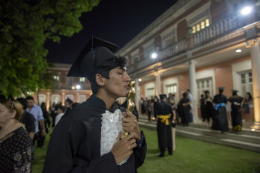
[(199, 45), (76, 88)]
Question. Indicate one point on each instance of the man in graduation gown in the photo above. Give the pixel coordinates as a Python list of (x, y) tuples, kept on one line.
[(184, 109), (220, 121), (164, 125), (209, 109), (236, 116), (87, 137)]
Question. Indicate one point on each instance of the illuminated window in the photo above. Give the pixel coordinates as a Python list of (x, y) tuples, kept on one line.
[(207, 22), (193, 29), (198, 27), (202, 25), (82, 79)]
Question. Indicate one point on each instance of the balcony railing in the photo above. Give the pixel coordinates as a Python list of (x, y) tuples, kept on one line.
[(214, 31)]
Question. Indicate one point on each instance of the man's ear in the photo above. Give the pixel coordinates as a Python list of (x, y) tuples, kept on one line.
[(100, 80)]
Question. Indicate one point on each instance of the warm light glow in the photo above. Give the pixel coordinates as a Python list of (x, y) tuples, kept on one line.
[(198, 27), (238, 50), (154, 55), (78, 86), (246, 10), (73, 87), (193, 29), (153, 118), (253, 129), (140, 79), (207, 22), (202, 25)]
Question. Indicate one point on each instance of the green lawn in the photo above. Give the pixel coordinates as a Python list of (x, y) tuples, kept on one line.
[(191, 156)]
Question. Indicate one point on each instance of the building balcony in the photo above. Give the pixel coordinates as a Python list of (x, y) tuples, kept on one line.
[(209, 36)]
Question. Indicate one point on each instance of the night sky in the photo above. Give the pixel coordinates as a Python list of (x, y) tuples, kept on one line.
[(117, 21)]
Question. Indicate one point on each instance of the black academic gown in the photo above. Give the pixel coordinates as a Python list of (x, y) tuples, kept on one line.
[(236, 115), (220, 121), (164, 131), (75, 143), (184, 111), (202, 109), (209, 109)]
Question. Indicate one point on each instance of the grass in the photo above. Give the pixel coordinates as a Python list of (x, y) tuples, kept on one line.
[(191, 156)]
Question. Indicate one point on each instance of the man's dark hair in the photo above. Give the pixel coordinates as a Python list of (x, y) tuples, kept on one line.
[(62, 108), (188, 90), (23, 102), (104, 70), (29, 98), (74, 105), (69, 101)]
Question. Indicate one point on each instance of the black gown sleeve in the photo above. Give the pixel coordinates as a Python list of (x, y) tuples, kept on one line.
[(63, 151), (140, 154)]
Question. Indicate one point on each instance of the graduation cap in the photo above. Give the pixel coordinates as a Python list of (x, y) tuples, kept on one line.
[(234, 92), (94, 54), (162, 96), (206, 92), (221, 89), (69, 100)]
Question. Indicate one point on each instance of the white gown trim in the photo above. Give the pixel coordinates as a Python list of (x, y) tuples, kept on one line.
[(111, 127)]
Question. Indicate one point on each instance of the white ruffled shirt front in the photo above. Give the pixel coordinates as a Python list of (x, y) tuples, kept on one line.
[(111, 127)]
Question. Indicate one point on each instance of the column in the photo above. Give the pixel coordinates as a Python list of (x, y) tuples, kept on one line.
[(255, 58), (78, 97), (63, 99), (48, 100), (137, 94), (193, 89), (157, 83)]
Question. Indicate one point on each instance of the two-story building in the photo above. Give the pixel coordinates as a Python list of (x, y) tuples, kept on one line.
[(76, 88), (199, 45)]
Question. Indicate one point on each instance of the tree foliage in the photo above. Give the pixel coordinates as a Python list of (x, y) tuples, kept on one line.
[(24, 27)]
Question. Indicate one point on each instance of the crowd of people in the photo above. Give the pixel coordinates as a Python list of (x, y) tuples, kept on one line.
[(213, 110), (22, 124)]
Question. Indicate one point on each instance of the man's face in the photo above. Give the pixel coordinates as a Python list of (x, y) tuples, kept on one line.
[(30, 103), (187, 92), (118, 82), (67, 104), (59, 111)]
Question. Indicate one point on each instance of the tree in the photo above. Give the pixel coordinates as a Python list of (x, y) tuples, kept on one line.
[(24, 27)]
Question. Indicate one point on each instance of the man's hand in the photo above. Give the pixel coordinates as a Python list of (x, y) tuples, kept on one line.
[(43, 132), (130, 125), (123, 149)]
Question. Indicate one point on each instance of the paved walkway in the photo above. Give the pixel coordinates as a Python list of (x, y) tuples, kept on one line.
[(246, 139)]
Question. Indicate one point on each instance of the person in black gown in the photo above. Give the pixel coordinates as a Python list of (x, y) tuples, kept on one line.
[(220, 121), (184, 109), (164, 125), (202, 107), (88, 137), (155, 102), (236, 116), (209, 109)]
